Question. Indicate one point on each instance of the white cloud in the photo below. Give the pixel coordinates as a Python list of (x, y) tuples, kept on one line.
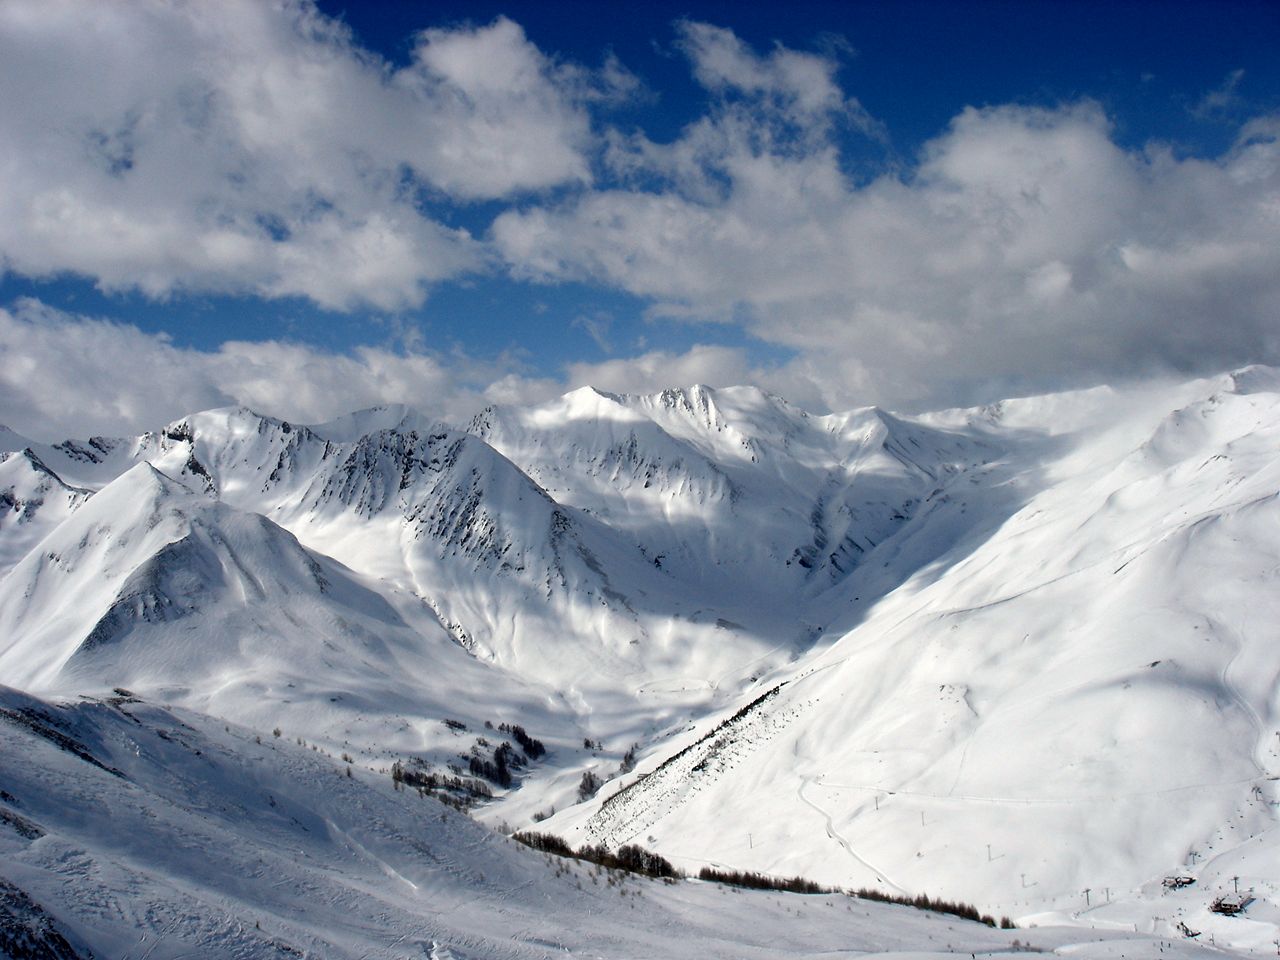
[(252, 147), (723, 62), (659, 369), (1024, 250), (1221, 99), (596, 326), (64, 375)]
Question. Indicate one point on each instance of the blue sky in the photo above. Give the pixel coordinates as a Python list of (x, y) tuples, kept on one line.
[(310, 208), (916, 64)]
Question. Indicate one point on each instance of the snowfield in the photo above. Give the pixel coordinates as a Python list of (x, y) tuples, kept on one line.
[(1024, 656), (137, 831)]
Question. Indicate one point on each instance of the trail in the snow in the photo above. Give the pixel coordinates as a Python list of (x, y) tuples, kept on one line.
[(832, 832), (835, 834)]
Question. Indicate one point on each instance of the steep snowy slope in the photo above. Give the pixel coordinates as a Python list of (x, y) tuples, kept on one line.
[(1089, 697), (128, 830), (535, 585), (503, 565), (33, 500), (613, 552), (10, 441), (160, 589), (720, 486), (435, 512)]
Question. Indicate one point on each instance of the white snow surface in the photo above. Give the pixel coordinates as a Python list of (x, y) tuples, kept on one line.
[(1024, 655), (138, 831)]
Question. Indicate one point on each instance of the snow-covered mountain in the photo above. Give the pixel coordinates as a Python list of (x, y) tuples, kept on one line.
[(1085, 696), (1002, 654), (33, 500), (720, 486)]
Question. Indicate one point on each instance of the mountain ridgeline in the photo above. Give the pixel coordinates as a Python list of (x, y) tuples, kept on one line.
[(920, 654), (603, 529)]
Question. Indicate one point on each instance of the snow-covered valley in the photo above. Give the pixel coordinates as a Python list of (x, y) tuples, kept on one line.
[(1023, 656)]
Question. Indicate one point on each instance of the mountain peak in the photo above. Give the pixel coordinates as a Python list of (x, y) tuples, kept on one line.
[(1255, 378), (9, 440), (388, 416)]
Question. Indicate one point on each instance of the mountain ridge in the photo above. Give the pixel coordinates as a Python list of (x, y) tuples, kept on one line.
[(983, 619)]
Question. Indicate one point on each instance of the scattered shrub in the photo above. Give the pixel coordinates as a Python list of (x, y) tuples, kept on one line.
[(545, 842), (631, 858), (636, 859), (714, 732), (457, 791), (639, 860), (532, 748), (588, 786), (497, 770), (629, 759), (925, 902)]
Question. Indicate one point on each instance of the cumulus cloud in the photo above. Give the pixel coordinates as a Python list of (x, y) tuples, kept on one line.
[(658, 369), (722, 63), (596, 325), (253, 147), (1024, 250), (64, 375)]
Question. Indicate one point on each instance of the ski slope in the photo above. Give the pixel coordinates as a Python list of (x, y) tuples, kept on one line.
[(132, 830)]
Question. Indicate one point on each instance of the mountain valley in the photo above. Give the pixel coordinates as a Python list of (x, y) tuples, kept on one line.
[(1021, 655)]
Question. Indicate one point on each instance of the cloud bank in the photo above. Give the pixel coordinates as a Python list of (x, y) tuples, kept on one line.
[(63, 375), (252, 147), (66, 375), (255, 148), (1025, 249)]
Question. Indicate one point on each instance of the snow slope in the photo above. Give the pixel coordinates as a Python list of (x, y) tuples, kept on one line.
[(182, 596), (1005, 654), (720, 486), (33, 500), (1088, 698), (130, 830)]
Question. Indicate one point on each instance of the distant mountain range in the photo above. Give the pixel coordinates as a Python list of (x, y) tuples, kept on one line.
[(1004, 654)]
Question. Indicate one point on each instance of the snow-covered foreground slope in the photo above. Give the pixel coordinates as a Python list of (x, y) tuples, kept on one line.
[(128, 830), (1005, 655)]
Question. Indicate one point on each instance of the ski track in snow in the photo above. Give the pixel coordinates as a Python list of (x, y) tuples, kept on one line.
[(833, 833)]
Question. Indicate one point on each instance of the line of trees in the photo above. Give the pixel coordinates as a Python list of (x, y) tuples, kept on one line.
[(636, 859), (632, 858), (761, 881)]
